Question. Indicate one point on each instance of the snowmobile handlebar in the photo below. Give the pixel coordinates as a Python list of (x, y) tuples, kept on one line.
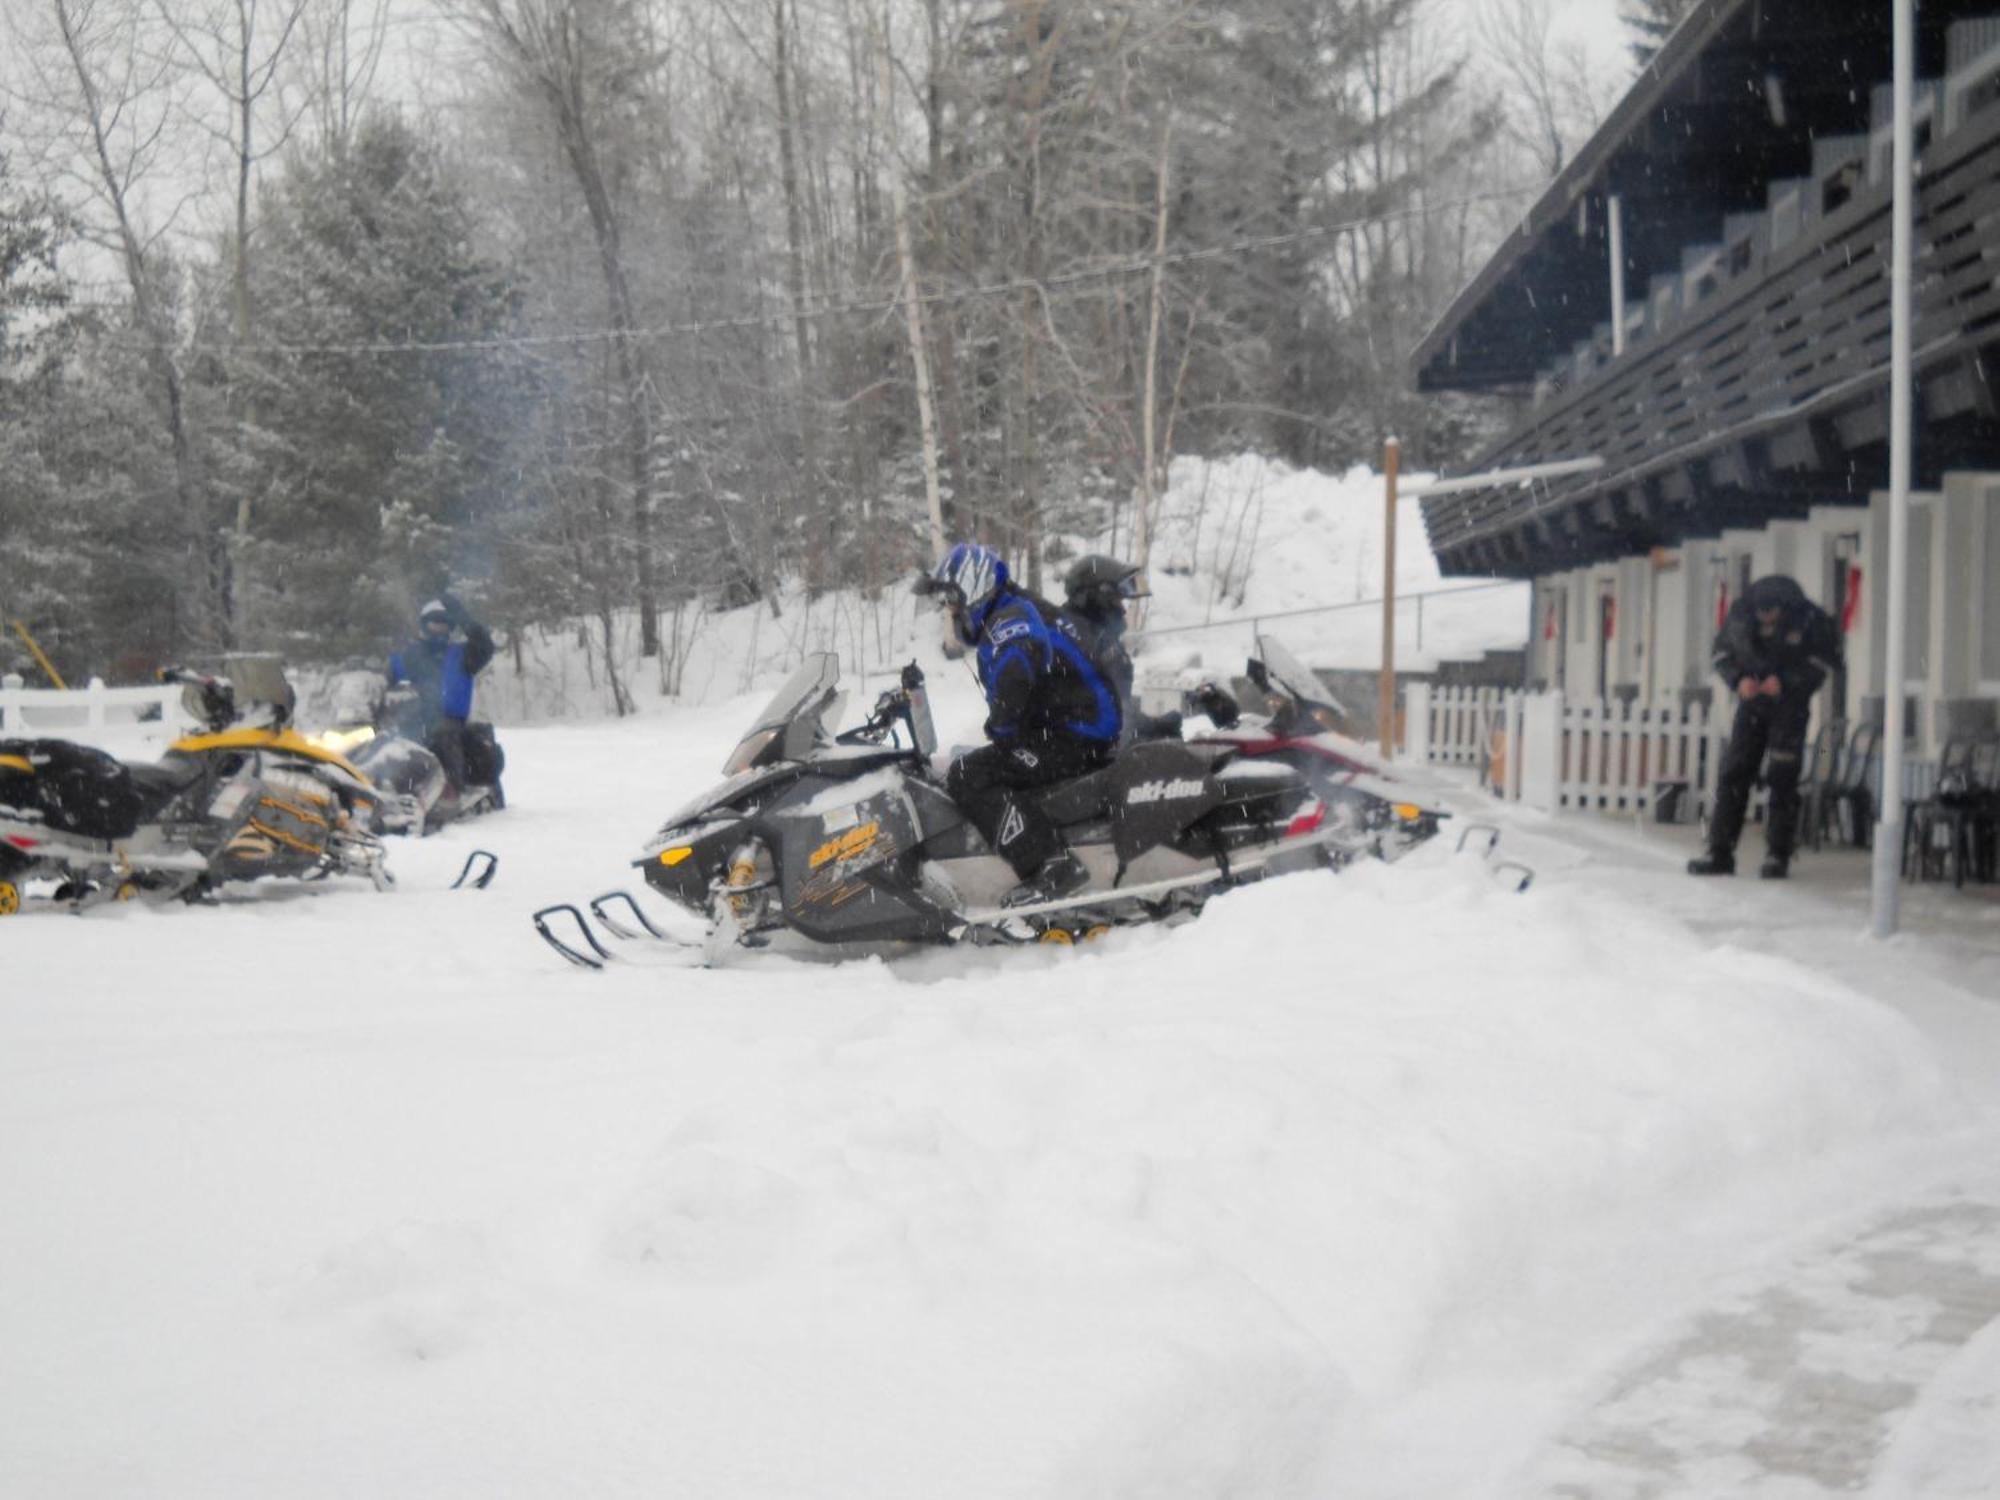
[(903, 704)]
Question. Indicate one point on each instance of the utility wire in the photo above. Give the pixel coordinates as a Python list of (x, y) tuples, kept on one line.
[(1132, 266)]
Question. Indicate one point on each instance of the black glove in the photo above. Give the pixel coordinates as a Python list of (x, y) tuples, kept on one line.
[(454, 610)]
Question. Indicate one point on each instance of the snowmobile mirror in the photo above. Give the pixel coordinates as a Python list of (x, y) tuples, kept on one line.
[(209, 703)]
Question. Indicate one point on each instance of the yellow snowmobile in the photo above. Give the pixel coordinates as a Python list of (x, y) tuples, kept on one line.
[(244, 797)]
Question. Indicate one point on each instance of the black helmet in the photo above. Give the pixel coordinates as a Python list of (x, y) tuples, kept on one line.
[(1100, 585)]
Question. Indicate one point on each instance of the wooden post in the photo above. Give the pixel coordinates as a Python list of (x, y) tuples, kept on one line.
[(1391, 457)]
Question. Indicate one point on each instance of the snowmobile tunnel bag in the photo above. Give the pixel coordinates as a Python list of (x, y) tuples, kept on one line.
[(69, 788)]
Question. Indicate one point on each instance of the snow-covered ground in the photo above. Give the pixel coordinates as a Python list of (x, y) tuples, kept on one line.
[(1379, 1184)]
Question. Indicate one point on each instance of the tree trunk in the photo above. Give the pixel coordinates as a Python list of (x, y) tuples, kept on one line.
[(913, 318), (795, 253), (1142, 528)]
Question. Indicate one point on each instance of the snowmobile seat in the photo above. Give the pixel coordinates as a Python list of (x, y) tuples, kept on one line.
[(1080, 800), (159, 782), (164, 777)]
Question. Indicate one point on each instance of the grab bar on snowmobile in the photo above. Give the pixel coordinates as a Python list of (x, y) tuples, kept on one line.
[(582, 960), (1527, 875), (598, 904), (486, 871), (1492, 836)]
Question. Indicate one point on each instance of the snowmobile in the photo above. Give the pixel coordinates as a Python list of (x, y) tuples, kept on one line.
[(1294, 723), (380, 730), (850, 842), (245, 796)]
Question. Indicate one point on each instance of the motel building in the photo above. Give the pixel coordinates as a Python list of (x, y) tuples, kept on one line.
[(1735, 212)]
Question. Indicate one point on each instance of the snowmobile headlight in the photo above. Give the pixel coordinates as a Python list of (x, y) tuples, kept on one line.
[(679, 854), (341, 741), (750, 751), (1409, 812)]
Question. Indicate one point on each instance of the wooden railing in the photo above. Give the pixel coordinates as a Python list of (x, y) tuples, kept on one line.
[(1793, 348)]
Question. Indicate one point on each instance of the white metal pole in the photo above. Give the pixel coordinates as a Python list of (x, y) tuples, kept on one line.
[(1617, 218), (1386, 705), (1889, 830)]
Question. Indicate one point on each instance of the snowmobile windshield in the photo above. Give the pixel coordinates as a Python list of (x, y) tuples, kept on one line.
[(790, 722), (354, 697), (1289, 675)]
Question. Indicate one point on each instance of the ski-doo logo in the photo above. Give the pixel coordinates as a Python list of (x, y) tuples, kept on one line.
[(847, 846), (1010, 631), (1163, 791)]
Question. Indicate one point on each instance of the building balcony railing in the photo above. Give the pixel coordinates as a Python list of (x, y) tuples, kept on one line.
[(1767, 392)]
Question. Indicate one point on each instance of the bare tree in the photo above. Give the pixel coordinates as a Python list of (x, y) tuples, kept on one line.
[(341, 42), (107, 101), (237, 46), (1555, 96), (559, 49), (913, 315)]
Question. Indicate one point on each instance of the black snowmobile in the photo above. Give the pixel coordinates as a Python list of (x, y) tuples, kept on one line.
[(380, 729), (850, 841)]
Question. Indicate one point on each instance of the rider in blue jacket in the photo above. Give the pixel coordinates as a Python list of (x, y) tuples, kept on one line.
[(1051, 716), (450, 650)]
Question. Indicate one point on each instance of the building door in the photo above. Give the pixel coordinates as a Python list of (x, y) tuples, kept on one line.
[(1607, 631), (1844, 604), (1555, 633)]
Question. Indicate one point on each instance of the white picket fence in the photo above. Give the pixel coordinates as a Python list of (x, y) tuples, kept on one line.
[(1551, 753), (28, 712)]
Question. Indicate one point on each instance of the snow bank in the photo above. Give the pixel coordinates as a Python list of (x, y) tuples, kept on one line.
[(1237, 539), (329, 1193), (1250, 536)]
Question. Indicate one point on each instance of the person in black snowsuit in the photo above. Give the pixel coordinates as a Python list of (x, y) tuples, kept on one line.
[(450, 649), (1051, 716), (1094, 593), (1774, 650)]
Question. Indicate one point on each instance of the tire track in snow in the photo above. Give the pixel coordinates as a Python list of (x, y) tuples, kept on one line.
[(1792, 1390)]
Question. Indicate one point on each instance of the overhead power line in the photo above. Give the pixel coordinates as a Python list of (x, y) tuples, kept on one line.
[(1083, 275)]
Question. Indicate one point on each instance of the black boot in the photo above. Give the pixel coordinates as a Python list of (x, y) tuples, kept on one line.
[(1715, 862), (1775, 866), (1061, 873)]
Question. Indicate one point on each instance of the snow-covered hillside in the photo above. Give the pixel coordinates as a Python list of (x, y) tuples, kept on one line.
[(1238, 539)]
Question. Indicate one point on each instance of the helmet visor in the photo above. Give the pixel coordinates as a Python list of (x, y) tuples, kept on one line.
[(943, 592)]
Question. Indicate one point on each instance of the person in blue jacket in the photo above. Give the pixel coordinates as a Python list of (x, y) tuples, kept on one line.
[(451, 648), (1051, 715)]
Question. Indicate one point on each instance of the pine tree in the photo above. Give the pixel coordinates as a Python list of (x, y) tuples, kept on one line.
[(378, 472), (1654, 21)]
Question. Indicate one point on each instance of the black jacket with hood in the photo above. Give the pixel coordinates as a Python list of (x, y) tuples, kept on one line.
[(1802, 651)]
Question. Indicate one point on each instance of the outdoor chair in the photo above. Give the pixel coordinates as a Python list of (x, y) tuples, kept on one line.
[(1841, 804), (1968, 815), (1931, 825)]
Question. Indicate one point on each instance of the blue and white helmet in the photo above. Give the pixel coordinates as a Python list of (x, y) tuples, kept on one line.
[(965, 581)]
